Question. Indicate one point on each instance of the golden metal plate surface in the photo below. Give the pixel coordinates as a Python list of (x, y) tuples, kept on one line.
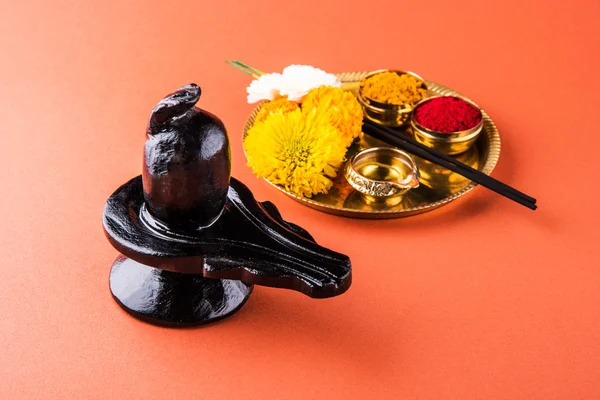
[(439, 186)]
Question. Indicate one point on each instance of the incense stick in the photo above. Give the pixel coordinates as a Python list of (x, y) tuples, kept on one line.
[(409, 144)]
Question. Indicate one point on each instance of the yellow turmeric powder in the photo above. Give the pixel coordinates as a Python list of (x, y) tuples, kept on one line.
[(392, 88)]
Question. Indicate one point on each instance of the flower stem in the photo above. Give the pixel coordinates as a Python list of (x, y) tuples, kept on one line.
[(253, 72)]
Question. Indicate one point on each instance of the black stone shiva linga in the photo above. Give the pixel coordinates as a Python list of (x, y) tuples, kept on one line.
[(193, 240)]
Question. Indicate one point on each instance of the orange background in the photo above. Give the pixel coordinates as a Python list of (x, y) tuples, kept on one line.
[(482, 299)]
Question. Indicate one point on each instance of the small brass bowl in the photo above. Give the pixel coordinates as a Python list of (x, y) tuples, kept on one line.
[(382, 174), (450, 143), (383, 113), (443, 180)]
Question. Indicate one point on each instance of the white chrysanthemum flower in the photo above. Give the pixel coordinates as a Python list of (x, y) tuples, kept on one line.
[(265, 87), (298, 80), (294, 83)]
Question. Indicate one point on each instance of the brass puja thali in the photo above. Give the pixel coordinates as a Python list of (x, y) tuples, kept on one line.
[(438, 186)]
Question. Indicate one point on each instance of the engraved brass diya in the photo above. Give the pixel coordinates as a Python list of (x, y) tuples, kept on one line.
[(382, 174), (193, 239), (450, 143), (383, 113)]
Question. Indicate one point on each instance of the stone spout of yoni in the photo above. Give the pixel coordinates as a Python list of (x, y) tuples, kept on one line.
[(187, 163)]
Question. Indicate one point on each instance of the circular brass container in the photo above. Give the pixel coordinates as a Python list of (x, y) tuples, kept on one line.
[(449, 143), (383, 113), (438, 186), (443, 180), (382, 174)]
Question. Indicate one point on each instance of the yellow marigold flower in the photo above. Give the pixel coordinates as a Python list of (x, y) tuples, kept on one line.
[(269, 107), (340, 107), (296, 150)]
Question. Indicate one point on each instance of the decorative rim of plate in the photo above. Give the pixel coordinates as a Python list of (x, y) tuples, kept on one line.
[(489, 128)]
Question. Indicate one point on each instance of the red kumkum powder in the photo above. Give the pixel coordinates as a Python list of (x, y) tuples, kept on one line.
[(447, 114)]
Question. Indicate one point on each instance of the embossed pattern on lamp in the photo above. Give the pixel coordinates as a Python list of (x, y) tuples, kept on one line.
[(382, 174)]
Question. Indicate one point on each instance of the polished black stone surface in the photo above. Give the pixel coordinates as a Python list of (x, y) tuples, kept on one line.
[(193, 239), (168, 298), (249, 242), (187, 162)]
